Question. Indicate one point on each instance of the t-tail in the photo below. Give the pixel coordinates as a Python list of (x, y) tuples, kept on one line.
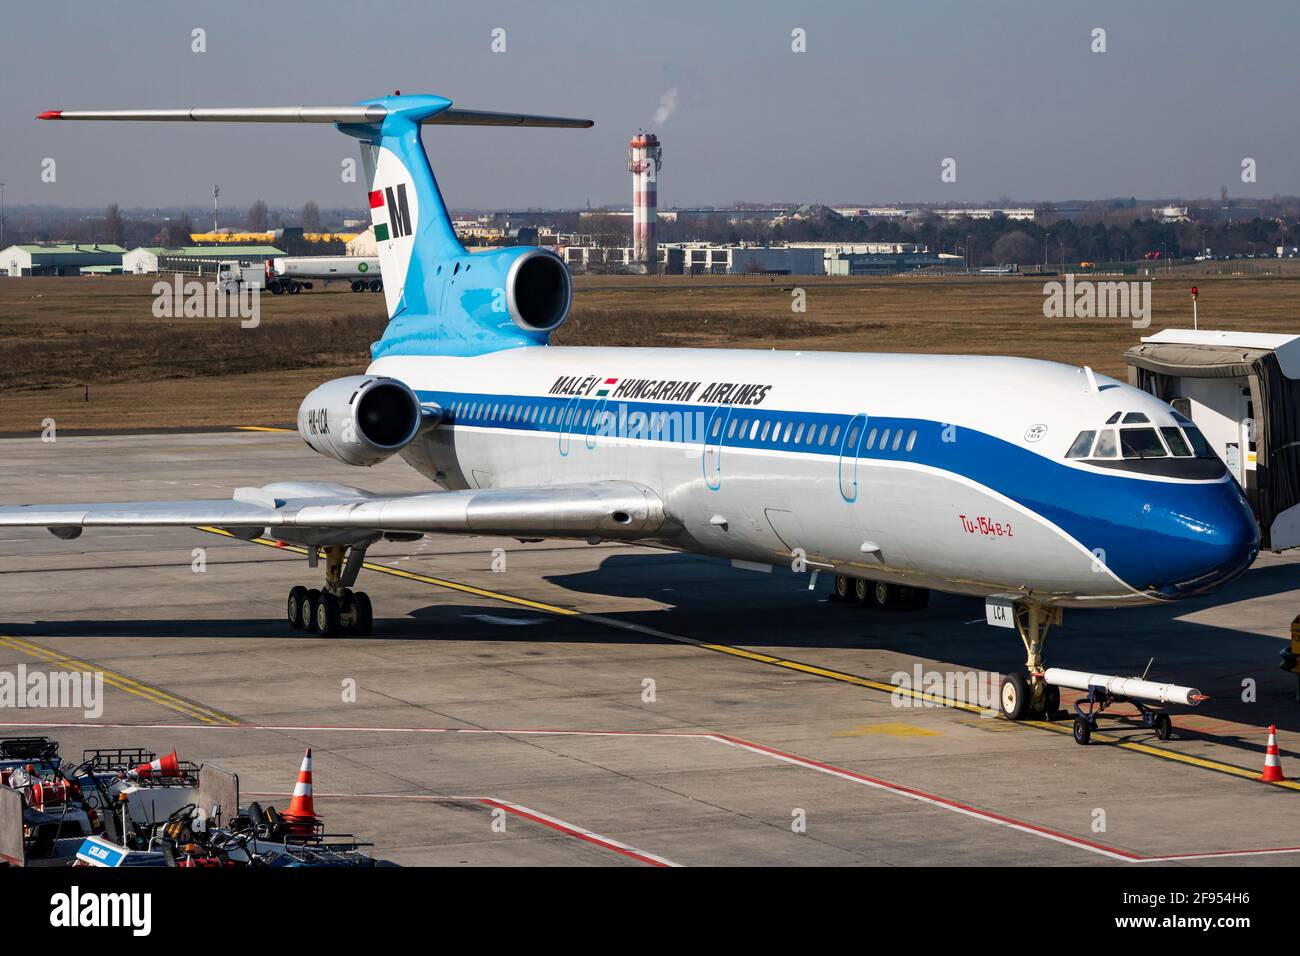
[(442, 299)]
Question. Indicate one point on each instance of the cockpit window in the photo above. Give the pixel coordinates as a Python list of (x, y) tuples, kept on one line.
[(1106, 446), (1113, 419), (1136, 418), (1141, 443), (1177, 443), (1199, 444), (1082, 445)]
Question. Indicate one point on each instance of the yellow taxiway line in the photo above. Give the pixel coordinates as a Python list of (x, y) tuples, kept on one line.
[(128, 684), (792, 665)]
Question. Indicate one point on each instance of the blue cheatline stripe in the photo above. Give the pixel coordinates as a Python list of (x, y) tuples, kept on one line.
[(1129, 519)]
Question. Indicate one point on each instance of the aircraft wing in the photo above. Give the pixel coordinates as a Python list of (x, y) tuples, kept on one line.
[(605, 509)]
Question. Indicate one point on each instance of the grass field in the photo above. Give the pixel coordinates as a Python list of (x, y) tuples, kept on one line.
[(89, 353)]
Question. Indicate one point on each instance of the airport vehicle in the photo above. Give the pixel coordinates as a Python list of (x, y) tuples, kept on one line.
[(985, 476), (232, 276), (291, 273)]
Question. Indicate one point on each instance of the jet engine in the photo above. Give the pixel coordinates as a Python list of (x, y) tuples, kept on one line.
[(539, 291), (360, 419)]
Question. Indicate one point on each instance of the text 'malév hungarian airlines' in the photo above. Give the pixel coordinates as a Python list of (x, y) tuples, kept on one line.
[(985, 476)]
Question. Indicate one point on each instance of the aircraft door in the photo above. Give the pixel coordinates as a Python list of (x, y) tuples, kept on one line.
[(850, 445), (568, 415), (715, 433)]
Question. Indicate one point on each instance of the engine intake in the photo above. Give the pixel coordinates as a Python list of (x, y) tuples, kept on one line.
[(539, 291), (361, 419)]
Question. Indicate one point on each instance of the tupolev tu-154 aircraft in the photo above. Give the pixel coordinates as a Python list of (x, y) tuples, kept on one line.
[(1043, 485)]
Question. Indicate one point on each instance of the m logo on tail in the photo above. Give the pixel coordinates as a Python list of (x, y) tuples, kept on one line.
[(390, 203)]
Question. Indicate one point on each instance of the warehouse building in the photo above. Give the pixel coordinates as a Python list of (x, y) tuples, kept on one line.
[(147, 260), (886, 263), (57, 259)]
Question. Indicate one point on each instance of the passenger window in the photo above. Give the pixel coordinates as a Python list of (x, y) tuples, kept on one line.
[(898, 439), (799, 433), (767, 425), (753, 430), (812, 433), (1141, 443), (835, 434), (911, 440), (821, 435), (717, 427), (586, 419), (871, 439), (495, 409), (1135, 418), (853, 438), (1082, 445), (786, 436), (1176, 442), (1106, 445), (731, 429), (884, 439)]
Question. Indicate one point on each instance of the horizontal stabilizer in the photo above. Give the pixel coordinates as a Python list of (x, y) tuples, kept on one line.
[(363, 115)]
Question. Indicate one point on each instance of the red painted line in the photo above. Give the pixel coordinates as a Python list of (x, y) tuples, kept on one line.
[(579, 833), (934, 799), (519, 810)]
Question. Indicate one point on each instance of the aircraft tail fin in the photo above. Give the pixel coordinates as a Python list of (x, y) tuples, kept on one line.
[(419, 253)]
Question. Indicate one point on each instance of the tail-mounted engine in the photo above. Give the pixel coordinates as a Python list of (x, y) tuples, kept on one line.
[(361, 419), (539, 291)]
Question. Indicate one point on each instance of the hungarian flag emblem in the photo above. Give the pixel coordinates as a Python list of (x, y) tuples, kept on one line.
[(604, 389), (390, 213)]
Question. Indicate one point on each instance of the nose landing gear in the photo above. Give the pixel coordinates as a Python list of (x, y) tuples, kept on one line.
[(336, 609), (1028, 696)]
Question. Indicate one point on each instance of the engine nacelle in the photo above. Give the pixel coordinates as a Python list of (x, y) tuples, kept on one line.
[(361, 419), (539, 291)]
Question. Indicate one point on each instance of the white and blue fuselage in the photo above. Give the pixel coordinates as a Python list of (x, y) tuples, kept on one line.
[(947, 472)]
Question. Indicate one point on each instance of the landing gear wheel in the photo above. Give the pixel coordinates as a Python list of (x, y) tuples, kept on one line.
[(1164, 729), (365, 615), (843, 588), (886, 596), (862, 591), (1082, 732), (294, 607), (308, 609), (1015, 697), (327, 615)]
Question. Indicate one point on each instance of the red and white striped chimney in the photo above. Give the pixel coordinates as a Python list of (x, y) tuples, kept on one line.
[(644, 162)]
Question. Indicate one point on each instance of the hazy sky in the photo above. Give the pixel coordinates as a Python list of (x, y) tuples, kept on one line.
[(885, 91)]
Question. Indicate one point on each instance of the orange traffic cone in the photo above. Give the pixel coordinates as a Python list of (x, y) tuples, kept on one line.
[(166, 766), (1272, 764), (301, 815)]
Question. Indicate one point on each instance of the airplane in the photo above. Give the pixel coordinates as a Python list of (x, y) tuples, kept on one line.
[(1030, 483)]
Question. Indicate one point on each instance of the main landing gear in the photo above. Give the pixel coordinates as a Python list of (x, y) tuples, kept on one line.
[(335, 609), (1028, 696), (880, 595)]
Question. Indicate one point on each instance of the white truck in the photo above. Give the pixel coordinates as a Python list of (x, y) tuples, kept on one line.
[(292, 273), (233, 276)]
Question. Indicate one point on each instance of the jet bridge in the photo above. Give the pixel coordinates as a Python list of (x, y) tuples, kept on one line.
[(1242, 389)]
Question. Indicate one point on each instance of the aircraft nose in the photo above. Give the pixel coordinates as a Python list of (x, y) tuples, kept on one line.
[(1202, 543)]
